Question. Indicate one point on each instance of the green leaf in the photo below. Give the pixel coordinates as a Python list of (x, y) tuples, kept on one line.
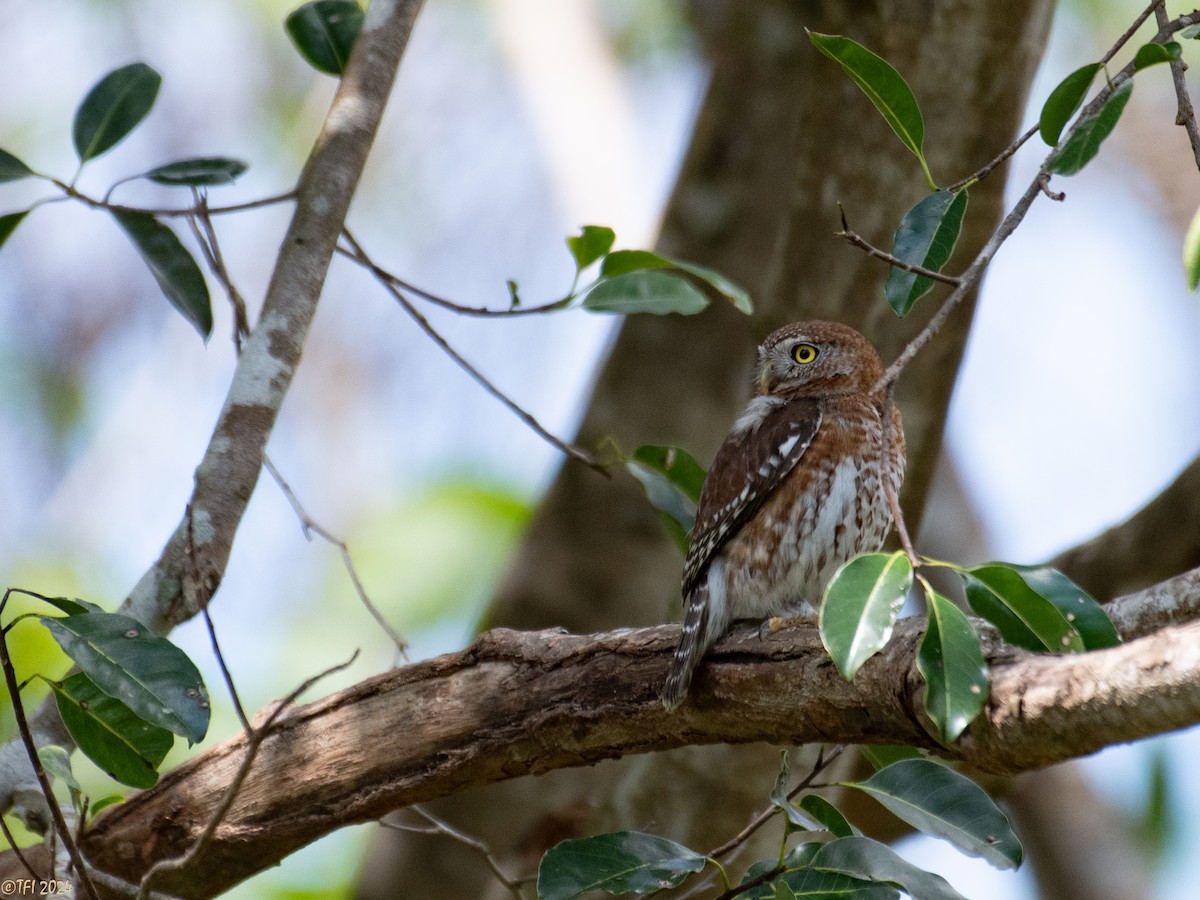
[(998, 593), (926, 238), (1158, 823), (173, 267), (12, 169), (862, 857), (861, 605), (818, 884), (672, 480), (884, 86), (1063, 101), (1191, 252), (112, 735), (57, 762), (645, 292), (324, 32), (938, 801), (1152, 54), (105, 802), (72, 607), (621, 862), (731, 291), (619, 262), (202, 171), (1191, 32), (1084, 143), (1077, 606), (113, 108), (592, 243), (147, 673), (797, 820), (955, 674), (827, 814), (882, 755), (9, 223)]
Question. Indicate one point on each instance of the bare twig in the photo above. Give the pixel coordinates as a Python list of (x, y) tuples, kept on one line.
[(73, 193), (889, 487), (855, 239), (439, 826), (56, 813), (206, 236), (991, 166), (398, 295), (12, 843), (254, 740), (1130, 31), (1186, 116), (309, 528)]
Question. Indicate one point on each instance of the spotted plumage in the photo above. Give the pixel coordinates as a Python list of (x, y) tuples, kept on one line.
[(795, 490)]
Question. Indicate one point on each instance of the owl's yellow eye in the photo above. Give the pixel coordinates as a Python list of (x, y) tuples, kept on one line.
[(804, 353)]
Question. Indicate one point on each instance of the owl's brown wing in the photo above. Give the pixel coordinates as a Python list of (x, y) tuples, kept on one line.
[(750, 465)]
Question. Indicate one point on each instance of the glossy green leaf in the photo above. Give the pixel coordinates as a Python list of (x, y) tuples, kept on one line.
[(1077, 606), (113, 108), (111, 735), (12, 169), (1084, 143), (324, 32), (797, 819), (998, 593), (105, 802), (173, 267), (621, 262), (147, 673), (1063, 102), (861, 605), (590, 244), (202, 171), (884, 86), (818, 884), (645, 291), (729, 290), (882, 755), (1152, 54), (952, 664), (617, 863), (926, 238), (827, 814), (862, 857), (9, 223), (938, 801), (72, 607), (672, 480)]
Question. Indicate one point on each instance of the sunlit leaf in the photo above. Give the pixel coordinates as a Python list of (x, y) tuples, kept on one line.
[(147, 673), (12, 169), (645, 291), (925, 238), (617, 863), (998, 593), (590, 244), (202, 171), (884, 86), (110, 734), (952, 664), (1063, 101), (1191, 252), (861, 605), (870, 860), (324, 32), (173, 267), (1084, 143), (113, 108), (938, 801)]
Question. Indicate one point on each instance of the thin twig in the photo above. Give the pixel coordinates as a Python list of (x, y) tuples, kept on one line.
[(1130, 31), (12, 844), (991, 166), (399, 296), (855, 239), (206, 236), (1186, 116), (254, 741), (60, 823), (889, 487), (170, 212), (439, 826), (309, 528)]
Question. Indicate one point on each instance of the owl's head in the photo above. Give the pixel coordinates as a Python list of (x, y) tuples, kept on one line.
[(817, 359)]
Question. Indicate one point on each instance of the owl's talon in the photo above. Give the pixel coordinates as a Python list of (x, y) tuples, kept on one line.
[(770, 626)]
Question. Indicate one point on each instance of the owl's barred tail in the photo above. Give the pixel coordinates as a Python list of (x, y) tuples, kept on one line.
[(692, 644)]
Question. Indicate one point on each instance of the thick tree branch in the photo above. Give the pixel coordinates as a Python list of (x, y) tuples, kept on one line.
[(193, 561), (518, 703)]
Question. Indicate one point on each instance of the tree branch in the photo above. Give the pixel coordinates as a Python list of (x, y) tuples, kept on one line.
[(518, 703)]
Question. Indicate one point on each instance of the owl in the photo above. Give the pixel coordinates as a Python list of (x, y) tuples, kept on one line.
[(795, 491)]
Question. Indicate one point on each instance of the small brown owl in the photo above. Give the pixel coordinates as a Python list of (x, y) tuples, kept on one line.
[(795, 491)]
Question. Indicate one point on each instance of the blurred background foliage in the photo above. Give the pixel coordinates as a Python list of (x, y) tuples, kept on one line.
[(513, 123)]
